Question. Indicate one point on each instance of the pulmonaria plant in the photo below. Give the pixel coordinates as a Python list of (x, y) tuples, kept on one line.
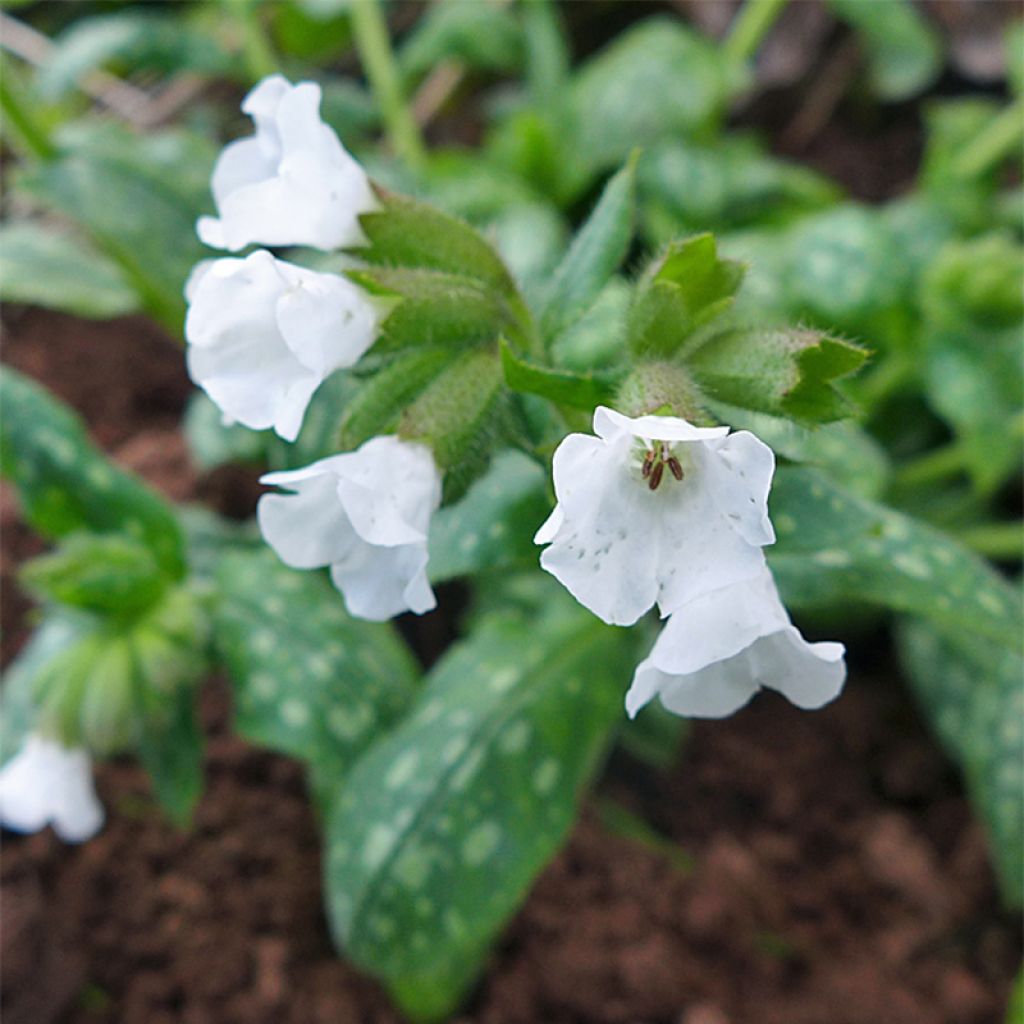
[(365, 514), (44, 784)]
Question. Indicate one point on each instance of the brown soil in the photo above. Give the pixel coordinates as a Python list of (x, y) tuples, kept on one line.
[(837, 874)]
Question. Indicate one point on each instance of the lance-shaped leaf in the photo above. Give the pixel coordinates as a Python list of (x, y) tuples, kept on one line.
[(138, 202), (834, 547), (492, 527), (594, 255), (66, 484), (789, 372), (408, 233), (971, 691), (309, 681), (433, 308), (44, 266), (105, 573), (444, 823), (681, 291), (563, 387)]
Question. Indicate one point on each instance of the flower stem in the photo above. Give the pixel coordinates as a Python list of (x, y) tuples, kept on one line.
[(259, 55), (1003, 541), (20, 121), (371, 36), (749, 28), (938, 464), (1000, 138)]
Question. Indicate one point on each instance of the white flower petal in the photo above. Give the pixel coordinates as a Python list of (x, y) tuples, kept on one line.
[(717, 651), (365, 513), (264, 334), (610, 424), (740, 470), (309, 528), (45, 783), (619, 545), (292, 183)]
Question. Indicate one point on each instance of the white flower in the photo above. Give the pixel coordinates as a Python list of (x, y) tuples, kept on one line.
[(655, 510), (48, 784), (716, 651), (292, 183), (263, 335), (365, 514)]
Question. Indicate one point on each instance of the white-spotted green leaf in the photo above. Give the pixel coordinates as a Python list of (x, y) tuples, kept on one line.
[(444, 823), (43, 266), (594, 255), (660, 80), (973, 693), (66, 485), (492, 527), (834, 547), (309, 680)]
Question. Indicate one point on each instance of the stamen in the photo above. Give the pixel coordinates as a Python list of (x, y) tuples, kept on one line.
[(677, 470), (656, 475)]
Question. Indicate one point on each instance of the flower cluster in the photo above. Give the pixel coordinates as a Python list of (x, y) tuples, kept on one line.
[(654, 510), (650, 511), (264, 334)]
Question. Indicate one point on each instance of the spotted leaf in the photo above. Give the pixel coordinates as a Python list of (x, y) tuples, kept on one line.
[(309, 681), (443, 824)]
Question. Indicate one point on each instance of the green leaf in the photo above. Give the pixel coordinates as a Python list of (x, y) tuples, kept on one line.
[(834, 548), (479, 35), (43, 266), (547, 54), (138, 203), (562, 387), (847, 453), (377, 406), (433, 308), (597, 339), (656, 81), (904, 51), (136, 39), (170, 746), (1015, 1011), (66, 485), (58, 632), (106, 573), (681, 291), (843, 268), (444, 823), (309, 681), (687, 187), (407, 233), (595, 254), (971, 691), (788, 372), (492, 527)]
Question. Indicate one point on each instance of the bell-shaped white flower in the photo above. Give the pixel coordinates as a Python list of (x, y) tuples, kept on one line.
[(263, 334), (48, 784), (365, 514), (718, 650), (655, 509), (292, 183)]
